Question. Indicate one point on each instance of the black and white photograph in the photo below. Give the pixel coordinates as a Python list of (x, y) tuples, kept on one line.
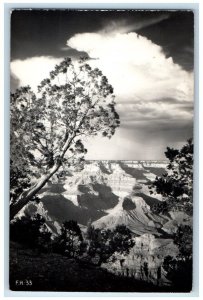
[(101, 150)]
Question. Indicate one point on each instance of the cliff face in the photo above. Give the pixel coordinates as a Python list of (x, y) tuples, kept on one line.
[(98, 192), (110, 193), (145, 259)]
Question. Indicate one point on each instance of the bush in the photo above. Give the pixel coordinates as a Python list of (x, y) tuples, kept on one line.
[(105, 243), (183, 239), (31, 232), (176, 184), (70, 241), (179, 272)]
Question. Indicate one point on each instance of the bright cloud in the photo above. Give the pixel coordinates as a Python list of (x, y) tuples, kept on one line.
[(137, 68), (32, 71), (152, 92)]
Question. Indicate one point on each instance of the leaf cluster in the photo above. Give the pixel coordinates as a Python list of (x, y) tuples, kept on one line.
[(31, 232), (105, 243), (70, 242), (176, 185)]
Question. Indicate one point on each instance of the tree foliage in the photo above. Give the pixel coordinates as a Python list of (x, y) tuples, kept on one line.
[(183, 239), (179, 272), (48, 127), (18, 183), (176, 185), (70, 241), (105, 243), (31, 232)]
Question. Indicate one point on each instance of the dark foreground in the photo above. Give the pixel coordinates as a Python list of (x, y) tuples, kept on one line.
[(33, 271)]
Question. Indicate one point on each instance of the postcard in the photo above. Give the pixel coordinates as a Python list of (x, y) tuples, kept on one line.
[(101, 150)]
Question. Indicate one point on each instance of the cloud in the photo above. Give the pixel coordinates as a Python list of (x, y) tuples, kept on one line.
[(32, 71), (125, 26), (136, 67), (146, 140), (154, 95), (151, 110), (14, 82)]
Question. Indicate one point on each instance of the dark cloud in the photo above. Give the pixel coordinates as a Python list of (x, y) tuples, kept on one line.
[(145, 141), (154, 125), (156, 136), (188, 108), (170, 101), (166, 111)]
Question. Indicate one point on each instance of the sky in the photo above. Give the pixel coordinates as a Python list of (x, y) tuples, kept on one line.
[(147, 56)]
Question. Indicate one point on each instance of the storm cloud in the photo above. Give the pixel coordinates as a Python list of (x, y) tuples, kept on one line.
[(146, 56)]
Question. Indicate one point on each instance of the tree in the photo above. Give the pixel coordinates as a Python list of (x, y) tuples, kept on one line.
[(179, 272), (99, 246), (179, 269), (176, 184), (19, 181), (31, 232), (105, 243), (47, 128), (183, 239), (70, 241)]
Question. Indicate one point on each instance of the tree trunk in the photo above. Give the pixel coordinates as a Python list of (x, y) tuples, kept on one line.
[(25, 198)]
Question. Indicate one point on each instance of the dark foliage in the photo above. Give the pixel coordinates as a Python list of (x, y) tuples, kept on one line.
[(19, 182), (70, 241), (176, 185), (183, 239), (31, 232), (179, 272), (161, 208), (54, 272), (104, 243), (122, 240)]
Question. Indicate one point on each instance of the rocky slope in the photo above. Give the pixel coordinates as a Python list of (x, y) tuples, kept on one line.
[(97, 193), (109, 193)]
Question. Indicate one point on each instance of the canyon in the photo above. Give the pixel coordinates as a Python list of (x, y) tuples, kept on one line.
[(110, 193)]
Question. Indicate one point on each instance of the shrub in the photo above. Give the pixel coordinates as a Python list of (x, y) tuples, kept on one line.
[(31, 232), (70, 242)]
